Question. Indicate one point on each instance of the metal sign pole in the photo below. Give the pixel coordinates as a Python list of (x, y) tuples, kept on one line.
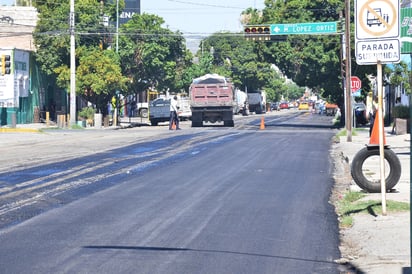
[(348, 106), (410, 163), (381, 145)]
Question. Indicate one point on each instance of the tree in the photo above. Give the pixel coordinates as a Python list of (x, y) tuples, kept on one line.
[(242, 61), (99, 77), (98, 72), (312, 61), (152, 56), (398, 74)]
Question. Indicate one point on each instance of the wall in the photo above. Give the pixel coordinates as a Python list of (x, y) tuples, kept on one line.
[(16, 27)]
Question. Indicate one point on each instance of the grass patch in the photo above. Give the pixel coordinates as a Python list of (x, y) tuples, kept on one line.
[(49, 129), (75, 126), (351, 204), (342, 133)]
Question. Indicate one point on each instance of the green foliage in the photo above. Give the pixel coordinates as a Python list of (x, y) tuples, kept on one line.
[(98, 73), (401, 111), (87, 113), (243, 62), (152, 56), (398, 74), (51, 35), (351, 203), (311, 61), (76, 126)]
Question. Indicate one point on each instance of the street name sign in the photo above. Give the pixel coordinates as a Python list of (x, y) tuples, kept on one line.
[(377, 32), (304, 28), (406, 30)]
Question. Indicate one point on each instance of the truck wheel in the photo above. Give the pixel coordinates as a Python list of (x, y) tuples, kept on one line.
[(228, 123), (143, 113), (154, 122), (374, 186), (197, 123)]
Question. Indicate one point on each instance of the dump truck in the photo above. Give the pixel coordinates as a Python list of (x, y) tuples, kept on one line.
[(183, 108), (212, 99), (257, 101)]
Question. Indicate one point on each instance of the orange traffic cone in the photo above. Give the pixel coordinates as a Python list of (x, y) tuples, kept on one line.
[(374, 139), (173, 125), (262, 123)]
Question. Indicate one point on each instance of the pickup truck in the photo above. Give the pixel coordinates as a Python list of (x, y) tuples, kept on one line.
[(142, 109), (159, 111)]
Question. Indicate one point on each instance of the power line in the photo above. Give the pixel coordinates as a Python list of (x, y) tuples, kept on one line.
[(206, 5)]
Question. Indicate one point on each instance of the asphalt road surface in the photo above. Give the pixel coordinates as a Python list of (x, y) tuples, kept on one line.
[(202, 200)]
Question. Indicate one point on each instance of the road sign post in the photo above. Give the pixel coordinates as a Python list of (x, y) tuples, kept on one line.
[(377, 42)]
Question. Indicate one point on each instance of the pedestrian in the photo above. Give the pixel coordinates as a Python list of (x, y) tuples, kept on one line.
[(173, 113), (397, 103), (133, 106)]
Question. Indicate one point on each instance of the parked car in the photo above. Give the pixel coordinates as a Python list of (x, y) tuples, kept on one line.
[(284, 105), (274, 106), (360, 113), (303, 106)]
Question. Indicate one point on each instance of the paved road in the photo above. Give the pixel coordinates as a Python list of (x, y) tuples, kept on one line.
[(212, 200)]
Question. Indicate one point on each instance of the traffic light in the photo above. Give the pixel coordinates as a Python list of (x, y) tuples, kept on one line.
[(5, 64), (259, 33), (341, 25)]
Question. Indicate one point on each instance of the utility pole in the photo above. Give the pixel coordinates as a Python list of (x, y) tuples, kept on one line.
[(117, 26), (72, 67), (348, 98)]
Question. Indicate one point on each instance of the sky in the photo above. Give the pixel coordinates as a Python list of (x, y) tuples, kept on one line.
[(200, 17), (196, 19)]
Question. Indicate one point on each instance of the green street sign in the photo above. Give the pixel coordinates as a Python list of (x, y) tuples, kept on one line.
[(304, 28), (406, 30)]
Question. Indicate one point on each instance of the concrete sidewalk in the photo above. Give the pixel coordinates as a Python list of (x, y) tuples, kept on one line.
[(400, 144), (379, 244), (37, 127)]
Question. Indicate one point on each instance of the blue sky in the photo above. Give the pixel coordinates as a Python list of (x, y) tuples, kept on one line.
[(200, 17), (196, 16)]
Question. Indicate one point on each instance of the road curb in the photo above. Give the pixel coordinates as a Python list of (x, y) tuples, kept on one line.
[(19, 130)]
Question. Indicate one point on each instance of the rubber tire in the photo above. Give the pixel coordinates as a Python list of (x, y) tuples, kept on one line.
[(375, 187), (144, 113)]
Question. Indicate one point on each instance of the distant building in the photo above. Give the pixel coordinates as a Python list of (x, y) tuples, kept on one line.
[(26, 94), (16, 27), (132, 7)]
